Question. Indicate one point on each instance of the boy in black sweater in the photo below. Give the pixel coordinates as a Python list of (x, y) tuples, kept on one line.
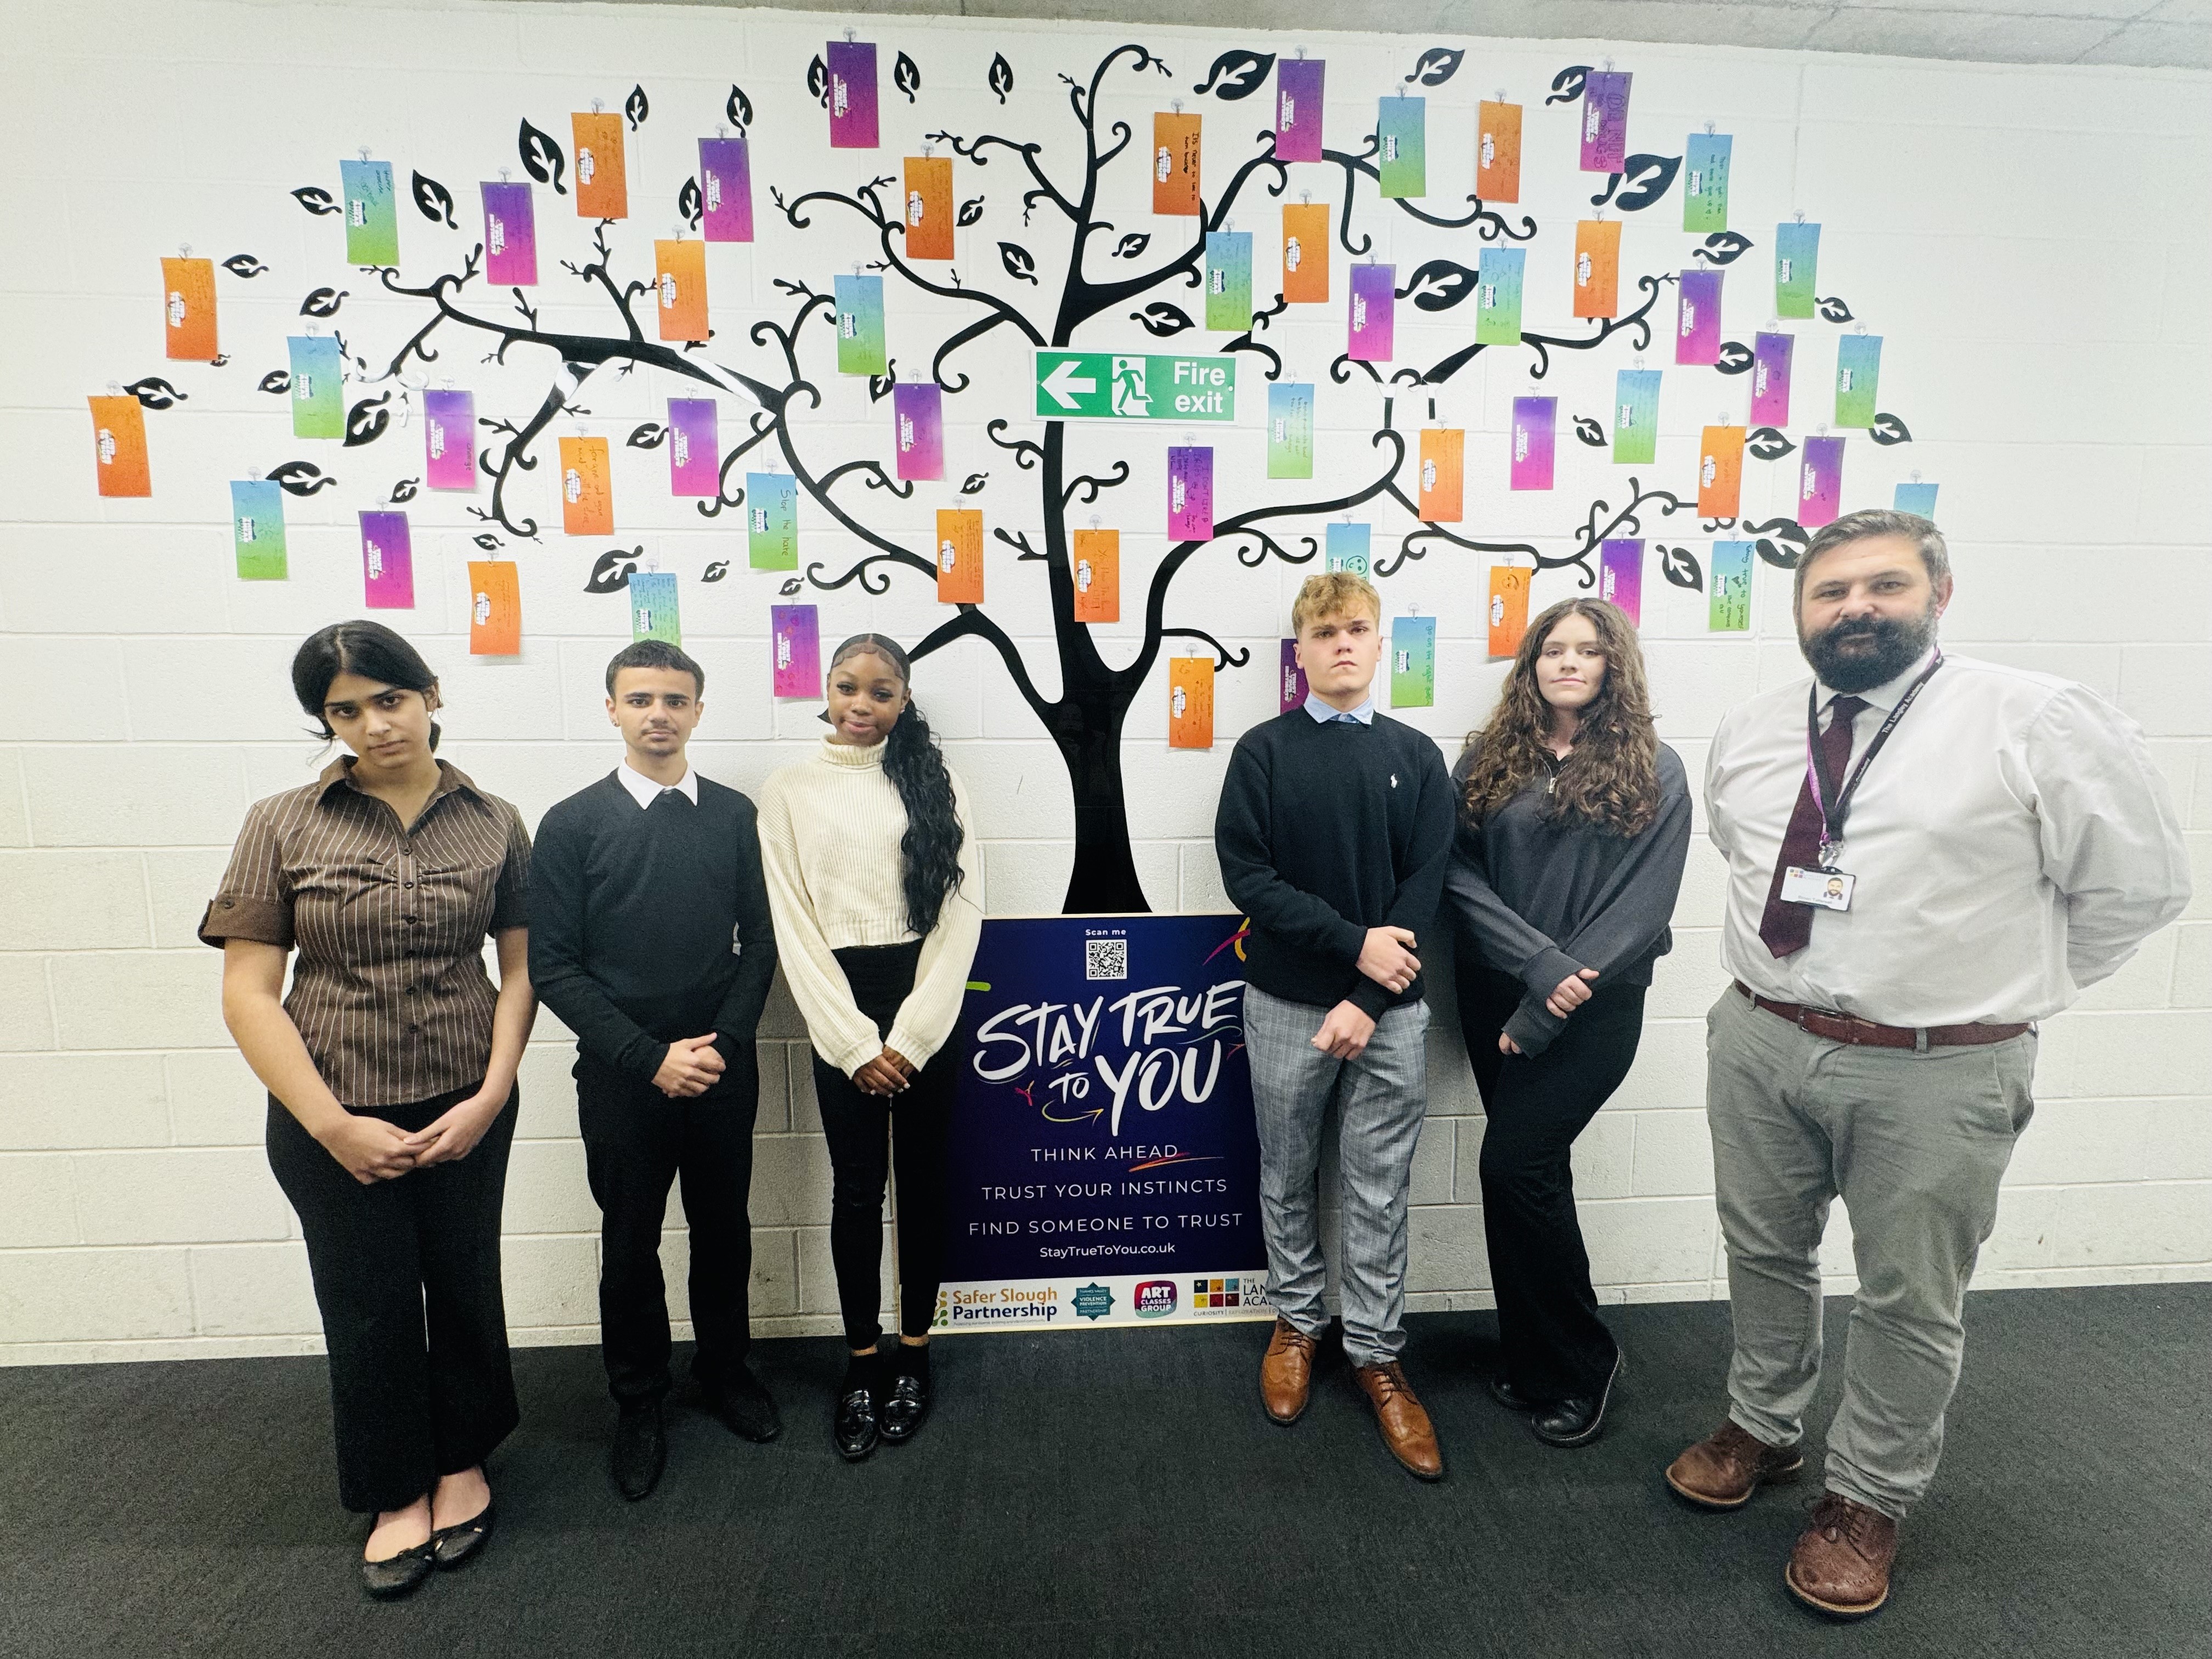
[(649, 936), (1334, 831)]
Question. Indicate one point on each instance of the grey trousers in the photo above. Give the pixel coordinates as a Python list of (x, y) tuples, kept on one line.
[(1384, 1097), (1914, 1144)]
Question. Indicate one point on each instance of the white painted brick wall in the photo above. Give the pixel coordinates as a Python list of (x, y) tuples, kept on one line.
[(2027, 241)]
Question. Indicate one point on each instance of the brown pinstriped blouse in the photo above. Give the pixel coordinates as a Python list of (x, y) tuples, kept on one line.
[(389, 992)]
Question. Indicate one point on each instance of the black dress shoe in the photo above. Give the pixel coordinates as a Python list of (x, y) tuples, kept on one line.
[(745, 1406), (640, 1450), (398, 1575), (856, 1429), (1506, 1396), (457, 1545), (905, 1407), (1579, 1418)]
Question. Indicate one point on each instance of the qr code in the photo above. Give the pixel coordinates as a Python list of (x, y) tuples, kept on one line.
[(1105, 958)]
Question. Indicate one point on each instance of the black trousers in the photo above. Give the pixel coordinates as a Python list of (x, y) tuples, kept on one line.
[(1555, 1344), (406, 1274), (637, 1142), (867, 1133)]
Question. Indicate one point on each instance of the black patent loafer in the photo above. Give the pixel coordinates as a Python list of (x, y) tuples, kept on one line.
[(640, 1451), (458, 1545), (1579, 1418), (856, 1429), (905, 1409), (400, 1575)]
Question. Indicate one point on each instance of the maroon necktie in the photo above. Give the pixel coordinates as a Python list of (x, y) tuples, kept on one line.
[(1789, 927)]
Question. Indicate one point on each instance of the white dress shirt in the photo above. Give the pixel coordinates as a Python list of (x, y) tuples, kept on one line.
[(2012, 843), (644, 791)]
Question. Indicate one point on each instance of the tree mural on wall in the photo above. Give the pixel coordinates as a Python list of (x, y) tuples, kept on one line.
[(1060, 197)]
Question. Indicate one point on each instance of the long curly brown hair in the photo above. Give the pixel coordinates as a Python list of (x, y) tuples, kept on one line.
[(1611, 778)]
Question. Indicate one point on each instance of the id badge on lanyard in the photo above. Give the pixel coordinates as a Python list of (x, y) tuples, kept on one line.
[(1826, 884)]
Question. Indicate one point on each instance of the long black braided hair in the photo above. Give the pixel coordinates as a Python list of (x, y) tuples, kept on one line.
[(929, 851)]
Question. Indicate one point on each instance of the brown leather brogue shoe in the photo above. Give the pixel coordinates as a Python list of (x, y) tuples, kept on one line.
[(1722, 1471), (1287, 1374), (1841, 1563), (1405, 1427)]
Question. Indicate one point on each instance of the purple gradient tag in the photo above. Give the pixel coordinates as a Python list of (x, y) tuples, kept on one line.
[(388, 563), (795, 644), (1297, 109), (1535, 424), (1373, 316), (1293, 688), (1698, 318), (510, 236), (1605, 121), (918, 429), (695, 453), (852, 93), (1770, 379), (726, 190), (449, 439), (1620, 576), (1190, 494), (1820, 482)]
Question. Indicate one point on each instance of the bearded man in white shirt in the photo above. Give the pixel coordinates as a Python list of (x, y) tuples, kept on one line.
[(1971, 845)]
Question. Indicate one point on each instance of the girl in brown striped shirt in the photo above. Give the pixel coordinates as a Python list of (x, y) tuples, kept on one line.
[(391, 1075)]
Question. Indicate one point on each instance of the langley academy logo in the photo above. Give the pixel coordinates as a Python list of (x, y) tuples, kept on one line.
[(1154, 1299)]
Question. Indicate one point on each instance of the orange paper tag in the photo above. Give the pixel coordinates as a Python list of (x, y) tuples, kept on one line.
[(1597, 268), (188, 309), (1305, 252), (118, 435), (1498, 152), (587, 497), (602, 190), (1443, 450), (1174, 164), (495, 609), (1097, 576), (679, 282), (1720, 472), (959, 556), (929, 207), (1508, 608), (1190, 702)]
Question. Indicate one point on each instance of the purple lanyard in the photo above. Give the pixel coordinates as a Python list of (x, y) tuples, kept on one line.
[(1823, 788)]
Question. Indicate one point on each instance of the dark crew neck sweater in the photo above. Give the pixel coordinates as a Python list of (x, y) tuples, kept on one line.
[(651, 924), (1325, 831)]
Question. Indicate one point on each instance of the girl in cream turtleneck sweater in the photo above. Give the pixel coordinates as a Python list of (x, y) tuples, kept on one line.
[(871, 880)]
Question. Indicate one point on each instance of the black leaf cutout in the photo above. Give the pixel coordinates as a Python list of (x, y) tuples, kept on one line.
[(365, 420), (436, 201), (1679, 566), (817, 79), (301, 478), (1131, 245), (879, 386), (315, 199), (278, 380), (715, 572), (1835, 310), (1567, 84), (1002, 76), (1590, 432), (1238, 73), (739, 107), (322, 302), (971, 210), (244, 264), (691, 206), (637, 106), (1722, 247), (1647, 179), (612, 571), (974, 482), (542, 158), (791, 586), (221, 360), (489, 543), (1161, 318), (1789, 543), (1735, 357), (1437, 65), (905, 76), (1767, 444), (153, 392), (1886, 429), (1439, 285), (403, 491), (648, 436), (1016, 260)]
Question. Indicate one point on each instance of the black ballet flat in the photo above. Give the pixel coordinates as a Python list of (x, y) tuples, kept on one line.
[(458, 1544), (400, 1575)]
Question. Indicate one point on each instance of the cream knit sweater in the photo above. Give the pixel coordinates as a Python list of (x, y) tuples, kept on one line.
[(829, 829)]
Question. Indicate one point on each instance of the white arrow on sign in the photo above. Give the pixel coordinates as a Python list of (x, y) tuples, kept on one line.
[(1063, 385)]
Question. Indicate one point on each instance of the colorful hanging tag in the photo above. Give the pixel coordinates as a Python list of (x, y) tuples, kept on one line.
[(494, 608), (587, 501), (1291, 690), (929, 209), (1770, 379), (1706, 182), (1916, 498), (1621, 574), (653, 612), (1605, 121), (449, 439), (1401, 153), (1190, 494), (726, 189), (318, 386), (852, 93), (1636, 417), (918, 429), (1497, 296), (602, 185), (1372, 313), (1097, 576), (1229, 280), (862, 348), (1498, 152), (510, 235), (1174, 164), (1443, 455), (256, 529), (679, 282), (1290, 429), (1190, 702), (371, 213), (1508, 615), (1728, 596), (771, 521), (1820, 482), (695, 451), (1298, 109), (959, 556), (387, 561), (1305, 252), (188, 310), (1346, 548), (1414, 662), (1535, 426), (118, 446), (1858, 377), (1796, 266), (795, 646), (1698, 316), (1597, 268), (1720, 472)]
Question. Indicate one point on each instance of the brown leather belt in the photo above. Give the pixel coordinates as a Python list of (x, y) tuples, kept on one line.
[(1864, 1033)]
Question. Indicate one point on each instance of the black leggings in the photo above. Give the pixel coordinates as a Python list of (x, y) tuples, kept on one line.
[(1554, 1343), (406, 1273), (867, 1135)]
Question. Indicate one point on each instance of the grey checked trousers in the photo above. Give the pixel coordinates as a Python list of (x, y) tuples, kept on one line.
[(1384, 1097)]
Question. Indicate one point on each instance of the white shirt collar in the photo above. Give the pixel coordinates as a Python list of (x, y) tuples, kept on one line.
[(644, 791), (1324, 713)]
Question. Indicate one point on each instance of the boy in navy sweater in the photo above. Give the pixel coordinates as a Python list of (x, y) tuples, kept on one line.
[(649, 936)]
